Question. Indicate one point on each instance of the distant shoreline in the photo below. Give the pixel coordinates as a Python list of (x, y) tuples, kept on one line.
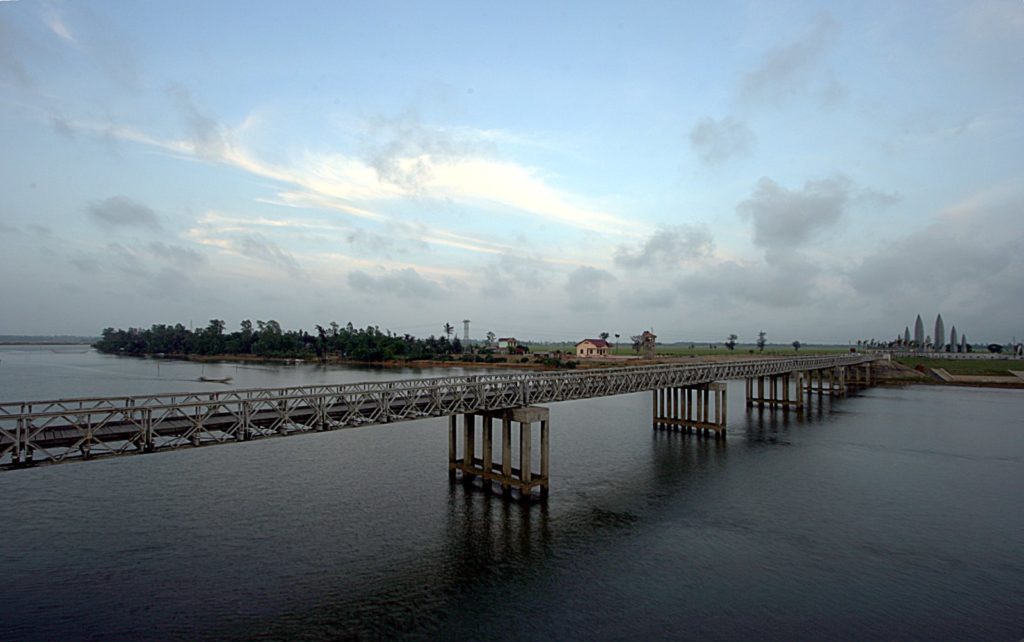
[(48, 342)]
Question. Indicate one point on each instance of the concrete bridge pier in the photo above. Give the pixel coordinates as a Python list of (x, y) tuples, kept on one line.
[(861, 376), (829, 381), (523, 478), (783, 391), (693, 409)]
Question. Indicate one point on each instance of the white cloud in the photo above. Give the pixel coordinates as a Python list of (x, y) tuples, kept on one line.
[(55, 22)]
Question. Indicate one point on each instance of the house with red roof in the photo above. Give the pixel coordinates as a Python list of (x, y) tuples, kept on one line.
[(592, 348)]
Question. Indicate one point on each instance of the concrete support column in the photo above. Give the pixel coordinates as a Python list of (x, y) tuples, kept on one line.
[(468, 445), (545, 456), (506, 453), (488, 454), (760, 392), (525, 451), (453, 461), (725, 407)]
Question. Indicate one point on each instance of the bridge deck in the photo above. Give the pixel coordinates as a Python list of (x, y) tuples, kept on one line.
[(59, 430)]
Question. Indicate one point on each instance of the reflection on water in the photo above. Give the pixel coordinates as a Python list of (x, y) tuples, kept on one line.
[(893, 513)]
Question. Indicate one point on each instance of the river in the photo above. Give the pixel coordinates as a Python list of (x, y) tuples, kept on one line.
[(893, 513)]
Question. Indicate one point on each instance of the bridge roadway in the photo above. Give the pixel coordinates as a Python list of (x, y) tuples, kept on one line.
[(56, 431)]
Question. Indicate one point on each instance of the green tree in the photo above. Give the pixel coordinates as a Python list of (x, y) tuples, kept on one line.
[(761, 340), (731, 342), (796, 346)]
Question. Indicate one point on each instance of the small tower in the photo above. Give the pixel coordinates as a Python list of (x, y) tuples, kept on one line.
[(465, 332)]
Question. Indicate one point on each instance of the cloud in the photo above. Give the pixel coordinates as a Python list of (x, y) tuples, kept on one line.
[(403, 151), (87, 265), (9, 229), (176, 254), (668, 246), (208, 138), (785, 70), (510, 271), (118, 211), (784, 218), (718, 141), (405, 283), (736, 284), (650, 298), (259, 247), (55, 22), (974, 249), (585, 288), (346, 184)]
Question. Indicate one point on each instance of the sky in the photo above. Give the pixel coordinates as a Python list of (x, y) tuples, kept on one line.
[(822, 172)]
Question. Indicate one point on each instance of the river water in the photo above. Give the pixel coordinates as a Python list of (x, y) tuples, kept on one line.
[(894, 513)]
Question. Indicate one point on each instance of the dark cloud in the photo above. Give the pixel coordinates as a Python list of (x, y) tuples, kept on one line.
[(944, 258), (8, 229), (126, 260), (649, 298), (788, 218), (969, 267), (176, 254), (208, 137), (785, 70), (507, 272), (401, 148), (733, 285), (86, 265), (259, 247), (669, 246), (121, 211), (406, 283), (716, 141), (586, 288)]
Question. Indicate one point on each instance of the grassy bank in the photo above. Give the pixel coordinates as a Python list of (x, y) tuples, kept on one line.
[(625, 349), (976, 367)]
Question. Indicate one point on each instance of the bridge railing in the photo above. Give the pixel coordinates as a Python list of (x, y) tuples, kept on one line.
[(602, 381), (58, 430)]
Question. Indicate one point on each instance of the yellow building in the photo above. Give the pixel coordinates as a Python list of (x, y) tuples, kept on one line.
[(592, 348)]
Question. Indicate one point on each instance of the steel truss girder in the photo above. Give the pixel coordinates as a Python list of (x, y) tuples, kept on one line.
[(64, 429)]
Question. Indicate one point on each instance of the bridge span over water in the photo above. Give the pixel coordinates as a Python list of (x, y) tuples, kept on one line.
[(688, 397)]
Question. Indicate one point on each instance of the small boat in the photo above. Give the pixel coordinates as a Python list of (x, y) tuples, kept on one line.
[(215, 380)]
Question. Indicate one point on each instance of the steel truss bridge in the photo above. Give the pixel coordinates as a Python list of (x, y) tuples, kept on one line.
[(57, 431)]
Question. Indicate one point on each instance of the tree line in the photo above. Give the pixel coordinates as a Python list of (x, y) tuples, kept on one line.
[(268, 339)]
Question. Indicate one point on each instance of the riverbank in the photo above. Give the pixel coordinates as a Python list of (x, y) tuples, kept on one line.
[(884, 372)]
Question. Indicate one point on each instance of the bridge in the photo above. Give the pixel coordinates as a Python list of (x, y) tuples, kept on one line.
[(688, 397)]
